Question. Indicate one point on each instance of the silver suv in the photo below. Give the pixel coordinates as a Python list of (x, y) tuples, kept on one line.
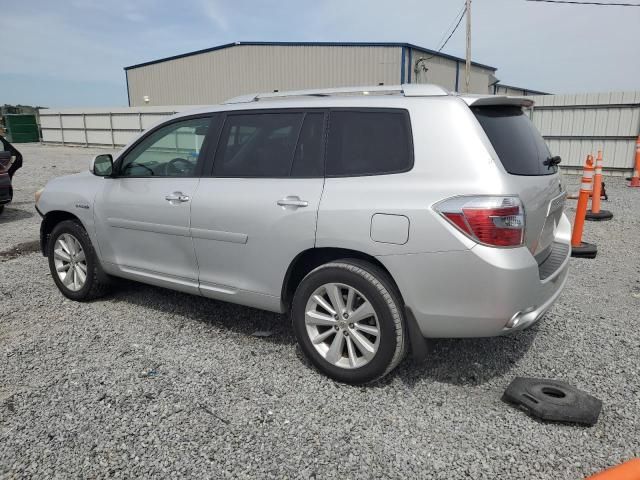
[(375, 217)]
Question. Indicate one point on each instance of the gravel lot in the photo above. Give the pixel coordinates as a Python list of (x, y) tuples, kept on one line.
[(149, 382)]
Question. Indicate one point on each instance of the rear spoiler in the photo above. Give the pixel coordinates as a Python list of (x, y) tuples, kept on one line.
[(489, 100)]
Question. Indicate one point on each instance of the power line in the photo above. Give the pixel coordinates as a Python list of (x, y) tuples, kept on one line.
[(575, 2), (464, 9), (451, 25), (460, 16), (454, 29)]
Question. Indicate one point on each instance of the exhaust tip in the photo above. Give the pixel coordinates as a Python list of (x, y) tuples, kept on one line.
[(518, 318), (514, 321)]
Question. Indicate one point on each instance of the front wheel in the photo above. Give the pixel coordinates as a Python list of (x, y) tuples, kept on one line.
[(348, 320), (73, 262)]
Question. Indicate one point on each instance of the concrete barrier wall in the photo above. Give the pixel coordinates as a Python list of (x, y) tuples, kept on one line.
[(580, 124)]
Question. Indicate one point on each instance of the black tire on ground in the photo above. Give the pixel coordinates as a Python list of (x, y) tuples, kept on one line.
[(97, 282), (379, 289)]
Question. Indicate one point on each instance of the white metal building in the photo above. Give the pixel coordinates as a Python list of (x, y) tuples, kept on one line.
[(502, 89), (215, 74)]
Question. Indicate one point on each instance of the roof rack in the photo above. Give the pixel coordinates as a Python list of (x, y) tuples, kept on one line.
[(406, 90)]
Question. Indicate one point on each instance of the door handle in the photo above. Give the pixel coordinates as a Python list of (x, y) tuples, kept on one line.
[(177, 197), (292, 202)]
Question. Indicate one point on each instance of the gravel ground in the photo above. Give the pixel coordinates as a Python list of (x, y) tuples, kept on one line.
[(149, 382)]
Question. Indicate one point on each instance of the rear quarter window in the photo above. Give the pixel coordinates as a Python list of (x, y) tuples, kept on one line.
[(519, 145), (372, 142)]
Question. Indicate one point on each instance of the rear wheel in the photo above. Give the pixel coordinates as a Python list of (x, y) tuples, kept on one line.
[(73, 262), (348, 321)]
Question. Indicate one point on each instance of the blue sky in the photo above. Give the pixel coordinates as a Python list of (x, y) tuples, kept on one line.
[(72, 52)]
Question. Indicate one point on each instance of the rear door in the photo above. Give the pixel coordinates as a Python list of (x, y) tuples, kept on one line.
[(258, 208), (524, 155)]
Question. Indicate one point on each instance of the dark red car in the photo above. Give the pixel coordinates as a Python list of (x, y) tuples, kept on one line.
[(10, 161)]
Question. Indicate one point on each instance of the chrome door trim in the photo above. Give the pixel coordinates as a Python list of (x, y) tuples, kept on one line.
[(148, 227), (219, 235)]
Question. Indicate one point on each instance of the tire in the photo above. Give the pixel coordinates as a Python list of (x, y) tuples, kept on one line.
[(96, 281), (368, 286)]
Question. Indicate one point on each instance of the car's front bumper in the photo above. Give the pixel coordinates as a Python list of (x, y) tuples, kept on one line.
[(479, 292)]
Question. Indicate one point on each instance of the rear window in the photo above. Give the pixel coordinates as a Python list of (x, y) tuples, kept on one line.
[(369, 143), (516, 140)]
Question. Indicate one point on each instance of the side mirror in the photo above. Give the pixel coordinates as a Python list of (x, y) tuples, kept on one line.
[(102, 165)]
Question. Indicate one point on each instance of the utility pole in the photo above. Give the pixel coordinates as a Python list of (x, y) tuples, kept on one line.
[(467, 66)]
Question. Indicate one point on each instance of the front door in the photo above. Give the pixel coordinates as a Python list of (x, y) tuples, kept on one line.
[(259, 208), (142, 213)]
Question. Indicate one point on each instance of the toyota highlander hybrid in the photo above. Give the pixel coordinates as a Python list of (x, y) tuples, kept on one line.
[(375, 217)]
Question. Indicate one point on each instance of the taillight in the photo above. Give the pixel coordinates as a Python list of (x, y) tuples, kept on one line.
[(492, 220)]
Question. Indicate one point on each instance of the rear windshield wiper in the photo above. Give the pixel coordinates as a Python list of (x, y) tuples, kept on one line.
[(552, 161)]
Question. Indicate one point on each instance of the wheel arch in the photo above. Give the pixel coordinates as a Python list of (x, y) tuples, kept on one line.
[(49, 222), (309, 259)]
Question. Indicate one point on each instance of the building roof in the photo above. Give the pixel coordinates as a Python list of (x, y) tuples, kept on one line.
[(500, 84), (312, 44)]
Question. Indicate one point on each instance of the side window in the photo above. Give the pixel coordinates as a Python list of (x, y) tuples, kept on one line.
[(257, 145), (239, 134), (369, 143), (171, 151), (308, 160)]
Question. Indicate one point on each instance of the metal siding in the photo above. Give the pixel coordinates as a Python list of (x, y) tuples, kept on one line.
[(516, 91), (576, 125), (313, 44), (442, 71), (212, 77), (479, 81)]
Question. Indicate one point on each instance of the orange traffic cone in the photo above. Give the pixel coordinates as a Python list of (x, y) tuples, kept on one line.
[(595, 213), (627, 471), (578, 247), (635, 179), (575, 196)]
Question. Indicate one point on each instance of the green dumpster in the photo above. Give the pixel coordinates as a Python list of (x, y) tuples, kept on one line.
[(21, 128)]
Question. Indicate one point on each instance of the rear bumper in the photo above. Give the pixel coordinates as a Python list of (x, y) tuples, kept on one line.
[(480, 292), (6, 191)]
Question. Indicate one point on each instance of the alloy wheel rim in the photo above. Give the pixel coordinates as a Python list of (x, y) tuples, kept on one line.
[(70, 262), (342, 325)]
